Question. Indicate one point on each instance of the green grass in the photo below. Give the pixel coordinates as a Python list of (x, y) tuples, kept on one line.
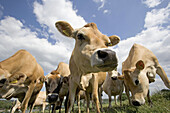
[(161, 104)]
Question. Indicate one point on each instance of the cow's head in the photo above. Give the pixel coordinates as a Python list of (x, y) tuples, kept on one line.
[(51, 81), (138, 82), (114, 74), (91, 52), (13, 85), (54, 85)]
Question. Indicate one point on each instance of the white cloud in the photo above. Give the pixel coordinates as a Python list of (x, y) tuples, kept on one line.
[(157, 17), (105, 11), (155, 37), (14, 36), (93, 15), (152, 3), (102, 2), (52, 11)]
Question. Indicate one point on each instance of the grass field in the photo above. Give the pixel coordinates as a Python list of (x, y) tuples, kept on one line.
[(161, 104)]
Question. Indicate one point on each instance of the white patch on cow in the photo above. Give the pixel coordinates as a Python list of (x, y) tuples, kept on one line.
[(84, 81), (114, 73), (59, 75)]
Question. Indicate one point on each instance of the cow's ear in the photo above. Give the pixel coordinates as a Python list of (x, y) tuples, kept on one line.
[(17, 78), (121, 77), (54, 72), (64, 28), (2, 82), (114, 40), (140, 65), (127, 73)]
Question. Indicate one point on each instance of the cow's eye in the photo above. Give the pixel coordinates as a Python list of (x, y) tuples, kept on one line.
[(80, 37), (109, 44)]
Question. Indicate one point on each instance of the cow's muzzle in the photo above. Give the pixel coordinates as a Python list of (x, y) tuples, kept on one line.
[(114, 78), (51, 98), (136, 103), (104, 59)]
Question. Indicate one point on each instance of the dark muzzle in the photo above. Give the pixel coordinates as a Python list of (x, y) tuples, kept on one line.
[(51, 98)]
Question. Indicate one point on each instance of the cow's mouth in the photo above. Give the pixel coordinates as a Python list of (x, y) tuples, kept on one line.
[(107, 65)]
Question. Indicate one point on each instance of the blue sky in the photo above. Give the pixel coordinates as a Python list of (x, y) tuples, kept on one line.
[(30, 25)]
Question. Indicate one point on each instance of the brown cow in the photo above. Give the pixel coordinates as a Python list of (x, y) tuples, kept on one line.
[(90, 55), (21, 77), (40, 101), (113, 86), (138, 70), (57, 86), (95, 84)]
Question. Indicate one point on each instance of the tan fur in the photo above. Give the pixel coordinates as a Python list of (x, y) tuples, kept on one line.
[(113, 87), (27, 74), (52, 81), (85, 59), (40, 101), (145, 74)]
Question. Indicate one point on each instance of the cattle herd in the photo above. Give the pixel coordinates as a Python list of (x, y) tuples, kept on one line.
[(91, 70)]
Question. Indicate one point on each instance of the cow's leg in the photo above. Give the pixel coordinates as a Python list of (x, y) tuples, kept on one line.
[(49, 107), (95, 93), (34, 97), (87, 101), (110, 100), (120, 99), (27, 97), (72, 92), (53, 108), (66, 102), (100, 97), (115, 100), (43, 107), (128, 95), (17, 104), (61, 101), (78, 101), (149, 99)]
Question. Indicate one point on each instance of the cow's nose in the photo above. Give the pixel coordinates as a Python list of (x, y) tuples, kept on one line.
[(102, 54), (136, 82), (52, 97), (106, 53), (114, 78), (136, 103)]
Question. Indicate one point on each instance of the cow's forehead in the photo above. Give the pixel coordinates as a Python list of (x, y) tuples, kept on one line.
[(89, 31), (84, 30)]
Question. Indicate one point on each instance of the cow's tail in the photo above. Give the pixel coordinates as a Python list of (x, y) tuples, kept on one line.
[(163, 76)]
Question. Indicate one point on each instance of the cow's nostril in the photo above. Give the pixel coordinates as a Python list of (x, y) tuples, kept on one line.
[(102, 54), (114, 78), (136, 82), (136, 103)]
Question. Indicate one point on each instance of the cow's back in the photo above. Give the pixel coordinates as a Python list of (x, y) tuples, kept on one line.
[(136, 53), (22, 61), (63, 69)]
